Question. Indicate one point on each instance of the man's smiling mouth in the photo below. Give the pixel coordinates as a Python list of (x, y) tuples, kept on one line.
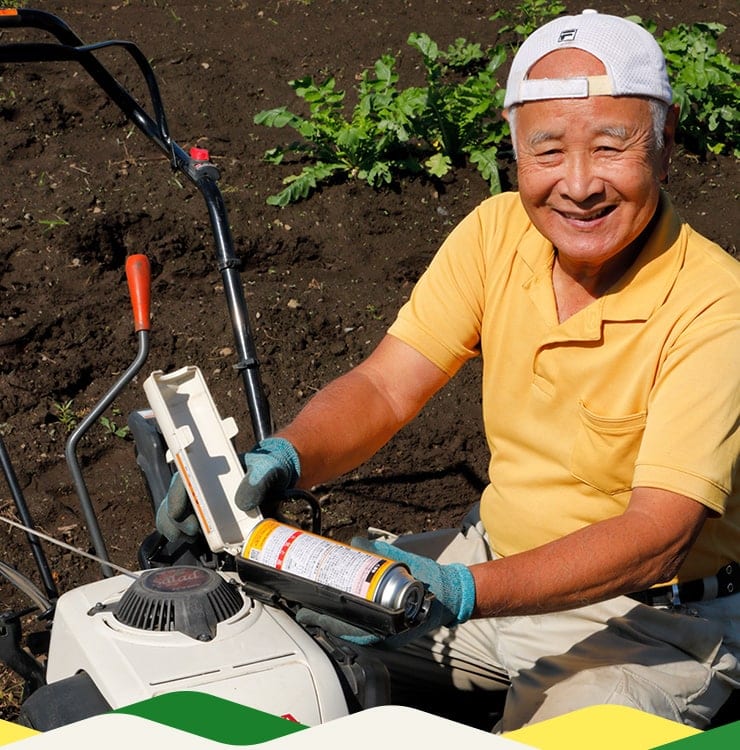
[(590, 216)]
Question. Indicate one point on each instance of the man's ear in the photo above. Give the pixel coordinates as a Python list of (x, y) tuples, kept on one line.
[(669, 139)]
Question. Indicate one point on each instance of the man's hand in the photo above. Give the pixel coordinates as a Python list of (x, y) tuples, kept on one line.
[(271, 467), (175, 517), (452, 586)]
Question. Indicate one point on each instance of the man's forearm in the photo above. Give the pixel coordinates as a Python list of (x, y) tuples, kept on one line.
[(627, 553), (343, 425)]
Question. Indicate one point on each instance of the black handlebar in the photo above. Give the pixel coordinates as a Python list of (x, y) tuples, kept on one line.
[(202, 174)]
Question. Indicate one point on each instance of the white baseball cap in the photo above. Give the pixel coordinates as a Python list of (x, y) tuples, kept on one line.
[(634, 62)]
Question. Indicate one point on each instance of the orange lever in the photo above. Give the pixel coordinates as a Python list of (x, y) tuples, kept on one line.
[(138, 274)]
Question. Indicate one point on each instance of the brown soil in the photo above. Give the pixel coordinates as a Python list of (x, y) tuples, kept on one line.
[(323, 279)]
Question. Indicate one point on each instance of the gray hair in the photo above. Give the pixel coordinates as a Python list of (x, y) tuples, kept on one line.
[(658, 113)]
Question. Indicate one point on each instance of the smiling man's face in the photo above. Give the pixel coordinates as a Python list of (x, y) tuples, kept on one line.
[(589, 171)]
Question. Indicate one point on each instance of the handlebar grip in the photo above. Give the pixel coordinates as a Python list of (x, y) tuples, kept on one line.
[(138, 274)]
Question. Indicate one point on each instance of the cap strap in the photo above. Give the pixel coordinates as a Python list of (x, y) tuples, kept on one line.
[(564, 88)]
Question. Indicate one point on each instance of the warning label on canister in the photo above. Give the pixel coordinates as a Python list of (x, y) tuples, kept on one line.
[(316, 558)]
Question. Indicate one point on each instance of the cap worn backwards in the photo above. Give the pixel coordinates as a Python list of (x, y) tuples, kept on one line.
[(634, 62)]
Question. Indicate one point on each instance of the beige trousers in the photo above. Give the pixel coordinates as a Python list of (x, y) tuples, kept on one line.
[(680, 663)]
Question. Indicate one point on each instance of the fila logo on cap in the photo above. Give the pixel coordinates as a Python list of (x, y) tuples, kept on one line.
[(567, 36)]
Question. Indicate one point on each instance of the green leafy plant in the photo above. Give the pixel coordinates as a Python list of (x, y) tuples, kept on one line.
[(365, 146), (461, 117), (393, 131), (373, 311), (51, 224), (6, 96), (113, 429), (704, 81), (527, 16), (65, 413)]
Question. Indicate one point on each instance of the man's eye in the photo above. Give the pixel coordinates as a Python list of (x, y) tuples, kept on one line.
[(551, 153)]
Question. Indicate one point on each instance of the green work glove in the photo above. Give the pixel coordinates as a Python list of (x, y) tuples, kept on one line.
[(271, 468), (175, 517), (452, 585)]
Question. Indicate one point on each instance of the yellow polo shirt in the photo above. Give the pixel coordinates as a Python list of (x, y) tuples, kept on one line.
[(639, 388)]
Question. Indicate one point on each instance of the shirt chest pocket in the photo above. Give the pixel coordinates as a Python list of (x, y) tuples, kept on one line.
[(605, 449)]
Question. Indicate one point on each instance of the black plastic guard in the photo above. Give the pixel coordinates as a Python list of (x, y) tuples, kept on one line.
[(63, 702)]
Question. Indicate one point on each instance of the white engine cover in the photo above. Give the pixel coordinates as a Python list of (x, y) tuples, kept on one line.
[(259, 657)]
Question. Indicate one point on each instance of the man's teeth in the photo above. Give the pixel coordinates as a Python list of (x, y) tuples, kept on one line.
[(587, 217)]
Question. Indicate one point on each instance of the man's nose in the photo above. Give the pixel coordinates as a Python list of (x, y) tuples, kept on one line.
[(581, 179)]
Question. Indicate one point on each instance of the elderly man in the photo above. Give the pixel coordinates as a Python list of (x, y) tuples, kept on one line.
[(601, 564)]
